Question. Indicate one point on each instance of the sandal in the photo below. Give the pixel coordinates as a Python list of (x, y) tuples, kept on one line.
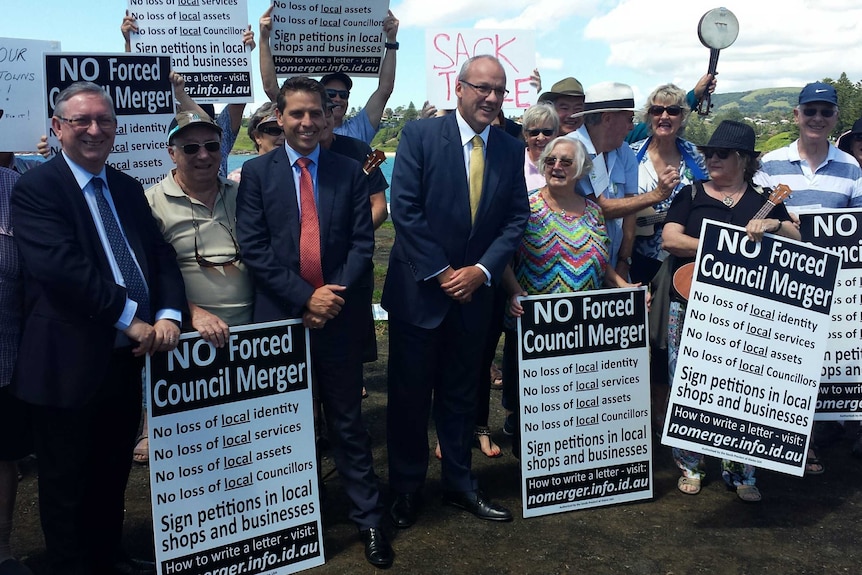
[(496, 377), (813, 465), (141, 453), (688, 485), (492, 451), (748, 493)]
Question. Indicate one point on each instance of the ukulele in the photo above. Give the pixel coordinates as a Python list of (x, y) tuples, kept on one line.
[(373, 161), (646, 219), (683, 276)]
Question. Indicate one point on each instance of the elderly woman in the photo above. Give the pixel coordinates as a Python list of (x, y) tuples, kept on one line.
[(728, 196), (565, 247), (541, 125), (666, 162), (264, 131)]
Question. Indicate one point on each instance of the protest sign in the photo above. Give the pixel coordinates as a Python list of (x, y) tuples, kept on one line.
[(315, 38), (447, 50), (204, 40), (752, 346), (23, 111), (233, 467), (583, 368), (143, 100), (841, 376)]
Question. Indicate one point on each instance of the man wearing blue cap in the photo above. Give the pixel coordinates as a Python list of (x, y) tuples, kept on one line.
[(820, 175)]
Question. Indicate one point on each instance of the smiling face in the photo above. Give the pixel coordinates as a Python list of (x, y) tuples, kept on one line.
[(88, 147), (536, 144), (478, 110), (565, 107), (617, 126), (201, 168), (816, 128), (302, 120)]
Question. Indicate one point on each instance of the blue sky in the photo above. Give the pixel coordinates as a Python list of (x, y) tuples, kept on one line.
[(640, 42)]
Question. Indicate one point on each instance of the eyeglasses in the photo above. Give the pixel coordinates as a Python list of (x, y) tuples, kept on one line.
[(547, 132), (485, 91), (656, 110), (104, 122), (825, 112), (202, 261), (273, 131), (343, 94), (551, 161), (722, 153), (192, 149)]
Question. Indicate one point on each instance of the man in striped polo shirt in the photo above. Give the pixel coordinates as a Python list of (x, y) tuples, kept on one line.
[(820, 175)]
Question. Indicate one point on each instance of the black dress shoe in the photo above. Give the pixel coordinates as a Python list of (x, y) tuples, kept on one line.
[(404, 509), (134, 567), (378, 551), (476, 503)]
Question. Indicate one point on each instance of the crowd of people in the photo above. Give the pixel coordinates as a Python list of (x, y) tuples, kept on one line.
[(100, 273)]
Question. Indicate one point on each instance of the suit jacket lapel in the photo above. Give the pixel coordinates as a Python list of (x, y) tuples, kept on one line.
[(453, 159), (325, 197), (284, 195)]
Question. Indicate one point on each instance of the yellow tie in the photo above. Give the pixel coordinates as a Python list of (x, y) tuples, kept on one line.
[(477, 174)]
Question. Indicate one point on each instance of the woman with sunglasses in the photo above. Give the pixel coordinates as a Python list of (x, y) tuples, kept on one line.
[(540, 125), (666, 162), (264, 132), (565, 248), (729, 196)]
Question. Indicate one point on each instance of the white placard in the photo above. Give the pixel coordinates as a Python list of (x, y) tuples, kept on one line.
[(233, 466), (143, 100), (315, 38), (841, 377), (447, 49), (583, 379), (204, 40), (755, 331), (23, 108)]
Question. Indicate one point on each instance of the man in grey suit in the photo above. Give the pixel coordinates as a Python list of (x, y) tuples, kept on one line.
[(459, 204)]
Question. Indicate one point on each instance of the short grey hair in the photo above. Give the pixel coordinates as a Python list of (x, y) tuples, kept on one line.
[(76, 88), (539, 115), (465, 67), (581, 160)]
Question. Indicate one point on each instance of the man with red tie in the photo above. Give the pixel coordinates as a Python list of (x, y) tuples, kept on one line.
[(304, 228)]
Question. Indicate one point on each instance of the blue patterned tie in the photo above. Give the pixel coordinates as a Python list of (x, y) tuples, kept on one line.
[(135, 285)]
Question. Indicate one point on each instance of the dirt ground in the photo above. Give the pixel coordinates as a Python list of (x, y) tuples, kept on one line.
[(803, 525)]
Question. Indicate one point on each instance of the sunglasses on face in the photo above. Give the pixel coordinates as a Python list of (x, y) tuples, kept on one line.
[(192, 149), (722, 154), (825, 112), (274, 131), (551, 161), (343, 94), (547, 132), (673, 110)]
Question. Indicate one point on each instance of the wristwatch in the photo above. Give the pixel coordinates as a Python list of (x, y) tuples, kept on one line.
[(391, 45), (628, 260)]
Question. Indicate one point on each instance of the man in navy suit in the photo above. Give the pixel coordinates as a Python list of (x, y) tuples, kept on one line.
[(101, 290), (275, 214), (451, 244)]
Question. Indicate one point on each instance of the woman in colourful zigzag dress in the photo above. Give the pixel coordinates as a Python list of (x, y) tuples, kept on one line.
[(564, 248)]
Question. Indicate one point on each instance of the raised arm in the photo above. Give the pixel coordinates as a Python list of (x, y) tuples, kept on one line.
[(386, 84)]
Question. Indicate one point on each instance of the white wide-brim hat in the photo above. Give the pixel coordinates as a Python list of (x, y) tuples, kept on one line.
[(607, 97)]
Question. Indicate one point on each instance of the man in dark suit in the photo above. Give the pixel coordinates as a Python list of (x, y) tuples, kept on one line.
[(304, 227), (457, 226), (101, 290)]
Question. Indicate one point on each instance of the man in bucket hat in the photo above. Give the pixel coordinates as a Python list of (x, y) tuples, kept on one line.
[(613, 180), (567, 97)]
